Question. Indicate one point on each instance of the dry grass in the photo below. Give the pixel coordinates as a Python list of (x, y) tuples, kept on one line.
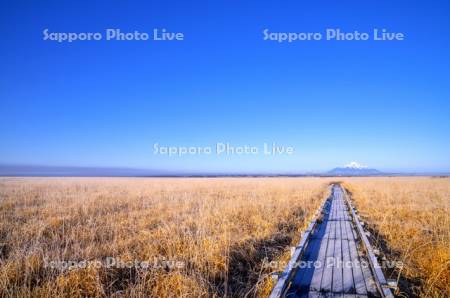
[(220, 229), (411, 221)]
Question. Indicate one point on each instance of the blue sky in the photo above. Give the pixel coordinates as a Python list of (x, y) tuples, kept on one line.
[(105, 103)]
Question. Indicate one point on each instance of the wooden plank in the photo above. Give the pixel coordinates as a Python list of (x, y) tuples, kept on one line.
[(299, 273), (358, 277), (347, 273), (330, 215), (341, 209), (327, 229), (336, 207), (337, 270), (305, 281), (368, 277), (327, 278), (347, 214), (320, 230), (333, 208), (311, 295), (318, 274)]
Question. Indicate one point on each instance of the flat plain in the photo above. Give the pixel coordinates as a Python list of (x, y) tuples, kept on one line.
[(202, 237), (221, 230)]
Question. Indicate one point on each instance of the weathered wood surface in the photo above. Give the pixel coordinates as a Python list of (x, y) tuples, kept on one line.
[(286, 275), (334, 262)]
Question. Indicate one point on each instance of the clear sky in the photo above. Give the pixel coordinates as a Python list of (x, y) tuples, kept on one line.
[(103, 103)]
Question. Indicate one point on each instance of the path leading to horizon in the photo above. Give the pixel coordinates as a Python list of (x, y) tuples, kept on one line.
[(340, 268)]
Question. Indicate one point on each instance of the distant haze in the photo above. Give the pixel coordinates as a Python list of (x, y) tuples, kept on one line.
[(70, 171)]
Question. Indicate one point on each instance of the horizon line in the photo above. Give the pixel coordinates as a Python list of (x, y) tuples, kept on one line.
[(24, 170)]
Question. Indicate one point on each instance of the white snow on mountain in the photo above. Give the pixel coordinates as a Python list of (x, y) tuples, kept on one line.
[(355, 165)]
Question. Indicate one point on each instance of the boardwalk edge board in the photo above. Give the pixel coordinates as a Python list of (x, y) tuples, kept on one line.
[(380, 279), (285, 278)]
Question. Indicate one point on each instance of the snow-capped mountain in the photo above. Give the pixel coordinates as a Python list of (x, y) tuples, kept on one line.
[(354, 169), (355, 165)]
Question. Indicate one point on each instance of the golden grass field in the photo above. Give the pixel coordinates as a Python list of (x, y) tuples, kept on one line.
[(222, 230), (410, 218)]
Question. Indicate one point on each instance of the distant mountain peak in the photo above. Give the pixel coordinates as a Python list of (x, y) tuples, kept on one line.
[(354, 169), (355, 165)]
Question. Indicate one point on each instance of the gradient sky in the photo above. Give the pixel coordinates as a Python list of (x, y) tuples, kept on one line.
[(105, 103)]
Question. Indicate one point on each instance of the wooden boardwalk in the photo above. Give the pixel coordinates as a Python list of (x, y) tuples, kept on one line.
[(332, 262)]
